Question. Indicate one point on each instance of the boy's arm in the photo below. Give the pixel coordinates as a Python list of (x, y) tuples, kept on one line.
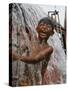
[(38, 56)]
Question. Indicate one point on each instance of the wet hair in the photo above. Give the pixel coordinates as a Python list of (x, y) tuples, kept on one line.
[(46, 20)]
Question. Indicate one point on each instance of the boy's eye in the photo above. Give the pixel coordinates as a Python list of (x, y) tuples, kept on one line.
[(49, 28)]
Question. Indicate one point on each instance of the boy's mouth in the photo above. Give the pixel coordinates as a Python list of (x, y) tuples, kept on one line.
[(43, 35)]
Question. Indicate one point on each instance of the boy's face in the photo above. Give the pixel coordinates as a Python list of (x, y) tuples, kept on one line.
[(44, 31)]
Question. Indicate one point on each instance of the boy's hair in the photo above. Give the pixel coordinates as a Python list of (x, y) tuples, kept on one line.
[(47, 20)]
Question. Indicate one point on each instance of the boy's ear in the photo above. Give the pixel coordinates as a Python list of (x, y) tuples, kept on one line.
[(37, 28), (51, 33)]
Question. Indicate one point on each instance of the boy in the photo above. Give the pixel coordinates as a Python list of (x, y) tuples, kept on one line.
[(44, 29), (41, 52)]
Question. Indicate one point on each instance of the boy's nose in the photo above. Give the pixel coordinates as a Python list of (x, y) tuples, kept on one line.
[(44, 30)]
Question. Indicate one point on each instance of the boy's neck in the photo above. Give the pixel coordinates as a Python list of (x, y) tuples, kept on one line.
[(43, 42)]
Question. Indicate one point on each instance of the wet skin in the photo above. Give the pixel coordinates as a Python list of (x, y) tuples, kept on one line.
[(38, 52)]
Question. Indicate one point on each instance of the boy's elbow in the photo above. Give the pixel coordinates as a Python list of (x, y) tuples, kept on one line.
[(50, 49)]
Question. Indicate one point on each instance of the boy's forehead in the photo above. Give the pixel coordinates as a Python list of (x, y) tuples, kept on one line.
[(44, 25)]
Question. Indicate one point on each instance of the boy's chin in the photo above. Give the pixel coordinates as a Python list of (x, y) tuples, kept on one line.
[(44, 39)]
